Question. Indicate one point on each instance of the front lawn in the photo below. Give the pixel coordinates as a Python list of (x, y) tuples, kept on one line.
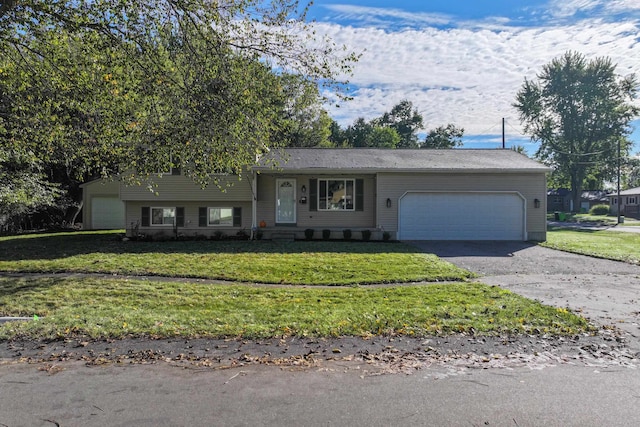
[(115, 308), (295, 263), (618, 246)]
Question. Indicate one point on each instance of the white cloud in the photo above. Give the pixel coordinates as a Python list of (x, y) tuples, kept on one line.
[(468, 76), (378, 15)]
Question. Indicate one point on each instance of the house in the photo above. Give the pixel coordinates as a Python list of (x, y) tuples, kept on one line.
[(629, 203), (410, 194), (560, 200), (591, 198)]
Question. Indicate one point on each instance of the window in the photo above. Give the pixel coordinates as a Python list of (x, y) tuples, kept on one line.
[(631, 200), (336, 194), (163, 216), (220, 217)]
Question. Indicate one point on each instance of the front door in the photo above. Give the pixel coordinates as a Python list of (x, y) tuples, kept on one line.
[(286, 201)]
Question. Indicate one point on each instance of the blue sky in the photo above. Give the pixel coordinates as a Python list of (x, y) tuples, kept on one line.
[(463, 61)]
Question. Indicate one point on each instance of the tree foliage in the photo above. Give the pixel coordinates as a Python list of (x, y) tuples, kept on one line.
[(449, 136), (579, 110), (405, 120)]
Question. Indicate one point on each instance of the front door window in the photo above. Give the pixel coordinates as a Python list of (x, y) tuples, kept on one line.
[(286, 201)]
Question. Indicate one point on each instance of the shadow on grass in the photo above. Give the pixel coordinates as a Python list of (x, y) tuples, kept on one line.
[(13, 284), (462, 248), (55, 246)]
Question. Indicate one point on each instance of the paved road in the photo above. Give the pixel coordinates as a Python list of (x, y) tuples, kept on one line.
[(539, 388), (335, 396)]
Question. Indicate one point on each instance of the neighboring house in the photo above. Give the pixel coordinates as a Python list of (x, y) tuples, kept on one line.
[(559, 199), (629, 203), (411, 194), (591, 198)]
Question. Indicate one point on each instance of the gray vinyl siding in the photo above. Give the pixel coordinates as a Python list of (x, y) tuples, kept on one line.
[(530, 185), (191, 211), (179, 187), (97, 188), (266, 208)]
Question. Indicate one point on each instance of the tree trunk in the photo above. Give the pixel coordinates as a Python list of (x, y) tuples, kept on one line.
[(577, 177)]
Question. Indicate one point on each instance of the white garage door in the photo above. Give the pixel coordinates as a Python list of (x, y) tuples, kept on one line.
[(107, 213), (461, 216)]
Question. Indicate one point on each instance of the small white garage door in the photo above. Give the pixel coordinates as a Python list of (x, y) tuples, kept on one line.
[(107, 213), (461, 216)]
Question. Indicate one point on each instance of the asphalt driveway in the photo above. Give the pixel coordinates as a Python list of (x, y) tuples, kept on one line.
[(606, 292)]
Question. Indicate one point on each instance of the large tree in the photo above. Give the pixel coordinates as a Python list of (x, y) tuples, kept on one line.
[(208, 76), (579, 110)]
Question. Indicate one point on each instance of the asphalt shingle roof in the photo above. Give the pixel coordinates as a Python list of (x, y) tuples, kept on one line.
[(419, 160)]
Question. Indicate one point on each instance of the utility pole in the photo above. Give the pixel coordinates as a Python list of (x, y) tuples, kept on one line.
[(618, 197), (503, 139)]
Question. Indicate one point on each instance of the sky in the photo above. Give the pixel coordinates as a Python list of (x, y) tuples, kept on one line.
[(463, 61)]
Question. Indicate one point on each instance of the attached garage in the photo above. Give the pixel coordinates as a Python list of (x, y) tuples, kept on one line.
[(478, 215), (107, 213), (102, 208)]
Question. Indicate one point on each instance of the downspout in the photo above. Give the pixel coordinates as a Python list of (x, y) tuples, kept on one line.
[(254, 203)]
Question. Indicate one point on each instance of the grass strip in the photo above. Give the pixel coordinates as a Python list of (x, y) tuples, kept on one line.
[(296, 263), (114, 308), (619, 246)]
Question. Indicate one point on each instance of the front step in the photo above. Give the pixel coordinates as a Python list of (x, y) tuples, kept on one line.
[(283, 237)]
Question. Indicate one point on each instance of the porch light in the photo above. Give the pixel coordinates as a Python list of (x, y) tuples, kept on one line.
[(388, 203), (303, 189), (536, 203)]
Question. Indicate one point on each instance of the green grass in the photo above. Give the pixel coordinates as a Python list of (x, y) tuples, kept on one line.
[(115, 308), (603, 244), (598, 219), (297, 263)]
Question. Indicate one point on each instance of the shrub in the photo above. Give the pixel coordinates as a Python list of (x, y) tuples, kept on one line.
[(242, 235), (366, 235), (326, 234), (599, 210), (308, 233), (217, 235), (346, 234), (386, 236)]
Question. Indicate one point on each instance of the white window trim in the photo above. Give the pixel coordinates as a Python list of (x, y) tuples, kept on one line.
[(175, 212), (209, 209), (353, 204)]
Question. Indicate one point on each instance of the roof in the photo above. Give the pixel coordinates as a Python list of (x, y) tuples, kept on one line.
[(561, 192), (629, 192), (399, 160), (594, 195)]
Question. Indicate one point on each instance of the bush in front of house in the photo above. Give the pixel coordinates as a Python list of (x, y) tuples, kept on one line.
[(326, 234), (346, 234), (599, 210), (386, 236), (366, 235), (308, 233)]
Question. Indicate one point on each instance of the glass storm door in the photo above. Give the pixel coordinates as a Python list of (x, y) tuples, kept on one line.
[(286, 201)]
